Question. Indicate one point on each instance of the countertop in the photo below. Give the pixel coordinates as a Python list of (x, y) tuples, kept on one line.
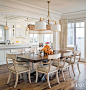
[(10, 46)]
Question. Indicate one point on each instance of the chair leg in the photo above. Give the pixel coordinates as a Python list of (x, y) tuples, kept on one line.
[(16, 80), (51, 75), (48, 81), (29, 76), (20, 76), (57, 77), (69, 71), (78, 67), (73, 69), (63, 74), (9, 77), (36, 77)]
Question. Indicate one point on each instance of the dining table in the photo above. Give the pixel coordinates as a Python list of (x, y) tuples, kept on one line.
[(38, 57)]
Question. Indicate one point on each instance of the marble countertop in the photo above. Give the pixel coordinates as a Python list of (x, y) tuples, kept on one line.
[(10, 46)]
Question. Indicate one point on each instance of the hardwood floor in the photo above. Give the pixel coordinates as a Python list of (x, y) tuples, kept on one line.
[(74, 83)]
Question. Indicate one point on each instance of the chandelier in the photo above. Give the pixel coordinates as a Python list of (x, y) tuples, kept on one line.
[(41, 24), (6, 27)]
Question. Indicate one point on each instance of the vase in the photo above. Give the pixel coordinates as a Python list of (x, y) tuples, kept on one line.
[(45, 53)]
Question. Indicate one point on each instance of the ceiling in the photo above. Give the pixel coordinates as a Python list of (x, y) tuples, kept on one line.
[(29, 8), (61, 6)]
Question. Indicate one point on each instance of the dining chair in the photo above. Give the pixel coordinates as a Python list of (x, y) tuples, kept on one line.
[(16, 51), (68, 56), (69, 48), (77, 55), (62, 65), (48, 68), (32, 50), (16, 68), (39, 48), (74, 59)]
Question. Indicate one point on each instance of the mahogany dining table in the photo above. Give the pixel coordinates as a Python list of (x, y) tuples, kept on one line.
[(34, 58)]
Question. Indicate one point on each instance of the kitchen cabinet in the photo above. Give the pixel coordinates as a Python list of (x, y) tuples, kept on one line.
[(3, 56), (20, 31)]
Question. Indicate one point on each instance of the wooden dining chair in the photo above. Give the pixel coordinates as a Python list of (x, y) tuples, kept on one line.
[(62, 65), (16, 51), (77, 57), (74, 59), (48, 68), (39, 48), (15, 68), (32, 50), (68, 56), (69, 48)]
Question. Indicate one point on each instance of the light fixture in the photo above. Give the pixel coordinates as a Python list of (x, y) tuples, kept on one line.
[(6, 27), (55, 27), (27, 29), (41, 25)]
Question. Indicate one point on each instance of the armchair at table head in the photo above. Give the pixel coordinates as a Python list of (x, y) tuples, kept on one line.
[(15, 68)]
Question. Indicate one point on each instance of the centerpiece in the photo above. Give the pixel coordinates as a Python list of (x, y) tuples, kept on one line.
[(47, 50)]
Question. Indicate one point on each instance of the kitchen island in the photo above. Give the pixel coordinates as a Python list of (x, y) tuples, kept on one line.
[(6, 49)]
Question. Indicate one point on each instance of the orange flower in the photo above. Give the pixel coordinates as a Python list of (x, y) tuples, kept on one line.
[(44, 49), (47, 46), (50, 52)]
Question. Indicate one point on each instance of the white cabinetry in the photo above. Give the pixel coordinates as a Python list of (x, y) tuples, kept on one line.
[(3, 56), (20, 31)]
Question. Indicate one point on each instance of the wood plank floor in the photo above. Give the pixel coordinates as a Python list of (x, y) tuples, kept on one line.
[(74, 83)]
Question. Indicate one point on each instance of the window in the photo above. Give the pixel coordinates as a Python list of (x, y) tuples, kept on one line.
[(48, 38), (34, 38), (0, 34), (70, 33), (75, 36)]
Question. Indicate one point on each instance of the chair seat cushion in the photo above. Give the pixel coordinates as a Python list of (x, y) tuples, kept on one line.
[(61, 63), (45, 68), (19, 68), (72, 61)]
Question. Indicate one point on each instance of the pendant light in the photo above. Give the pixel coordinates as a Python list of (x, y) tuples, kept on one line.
[(56, 27), (27, 29), (40, 25), (6, 27)]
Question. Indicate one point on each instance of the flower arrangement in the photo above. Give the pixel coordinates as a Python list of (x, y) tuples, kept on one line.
[(47, 50)]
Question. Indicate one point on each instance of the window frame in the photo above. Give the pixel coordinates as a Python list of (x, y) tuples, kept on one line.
[(33, 39), (50, 38)]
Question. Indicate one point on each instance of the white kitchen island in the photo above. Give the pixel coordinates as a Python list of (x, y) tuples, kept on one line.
[(6, 49)]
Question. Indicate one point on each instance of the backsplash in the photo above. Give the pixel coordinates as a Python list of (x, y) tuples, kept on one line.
[(20, 40)]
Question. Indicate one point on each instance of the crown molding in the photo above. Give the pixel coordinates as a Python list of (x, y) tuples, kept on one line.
[(74, 15), (75, 12)]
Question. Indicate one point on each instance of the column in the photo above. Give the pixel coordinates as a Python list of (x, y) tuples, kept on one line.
[(56, 39)]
